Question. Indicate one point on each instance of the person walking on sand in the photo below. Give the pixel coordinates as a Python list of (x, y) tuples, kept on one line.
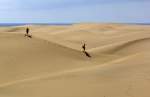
[(84, 50), (84, 46), (27, 31)]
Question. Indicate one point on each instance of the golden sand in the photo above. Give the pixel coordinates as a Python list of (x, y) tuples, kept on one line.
[(52, 64)]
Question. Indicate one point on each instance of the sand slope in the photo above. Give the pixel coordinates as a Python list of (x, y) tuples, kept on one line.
[(51, 64)]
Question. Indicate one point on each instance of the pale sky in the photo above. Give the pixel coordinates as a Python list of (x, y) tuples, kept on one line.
[(74, 11)]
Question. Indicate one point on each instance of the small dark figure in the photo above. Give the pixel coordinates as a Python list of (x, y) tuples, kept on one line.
[(84, 50), (27, 31), (84, 46)]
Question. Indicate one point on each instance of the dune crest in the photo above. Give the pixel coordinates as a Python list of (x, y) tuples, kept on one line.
[(52, 62)]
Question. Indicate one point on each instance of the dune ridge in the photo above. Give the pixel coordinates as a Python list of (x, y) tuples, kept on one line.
[(52, 64), (116, 47), (64, 72)]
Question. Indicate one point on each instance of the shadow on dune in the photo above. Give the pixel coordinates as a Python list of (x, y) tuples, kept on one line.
[(29, 36), (87, 54)]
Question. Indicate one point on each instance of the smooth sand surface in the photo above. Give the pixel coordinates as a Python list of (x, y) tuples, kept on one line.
[(52, 64)]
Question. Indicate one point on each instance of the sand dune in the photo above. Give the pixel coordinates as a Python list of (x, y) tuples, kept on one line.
[(52, 64), (19, 59), (124, 48)]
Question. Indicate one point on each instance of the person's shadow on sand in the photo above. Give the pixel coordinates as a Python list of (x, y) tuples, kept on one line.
[(84, 51), (87, 54), (29, 36), (27, 33)]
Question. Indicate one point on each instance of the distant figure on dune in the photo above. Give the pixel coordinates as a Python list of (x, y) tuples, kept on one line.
[(84, 47), (27, 33), (84, 50)]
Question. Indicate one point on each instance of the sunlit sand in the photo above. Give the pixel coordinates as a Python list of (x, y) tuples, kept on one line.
[(52, 63)]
